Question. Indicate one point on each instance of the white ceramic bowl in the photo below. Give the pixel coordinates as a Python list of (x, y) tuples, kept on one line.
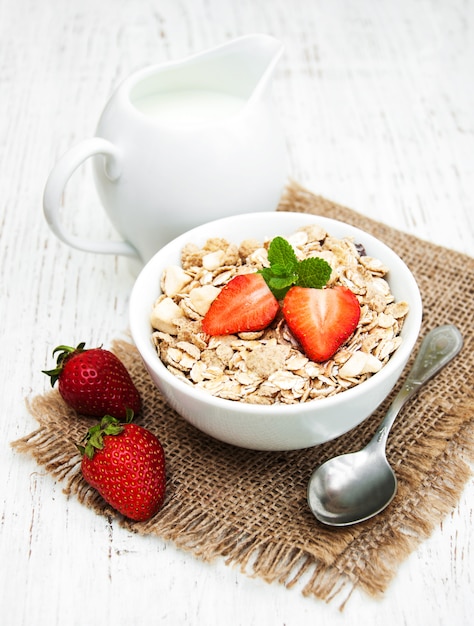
[(275, 427)]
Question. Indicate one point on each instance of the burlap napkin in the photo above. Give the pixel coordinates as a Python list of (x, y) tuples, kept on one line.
[(250, 507)]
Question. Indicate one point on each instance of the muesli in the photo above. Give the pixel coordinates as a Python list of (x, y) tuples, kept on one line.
[(269, 366)]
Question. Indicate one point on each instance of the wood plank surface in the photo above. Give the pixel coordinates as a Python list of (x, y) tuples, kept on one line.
[(377, 103)]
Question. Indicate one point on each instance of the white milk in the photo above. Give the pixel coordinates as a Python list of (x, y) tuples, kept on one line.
[(189, 107)]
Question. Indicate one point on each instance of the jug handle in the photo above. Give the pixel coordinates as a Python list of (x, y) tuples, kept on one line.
[(56, 183)]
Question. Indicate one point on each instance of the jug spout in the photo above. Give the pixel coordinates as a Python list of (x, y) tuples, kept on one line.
[(259, 55), (243, 67)]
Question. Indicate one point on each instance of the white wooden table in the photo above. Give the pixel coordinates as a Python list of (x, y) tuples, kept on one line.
[(377, 100)]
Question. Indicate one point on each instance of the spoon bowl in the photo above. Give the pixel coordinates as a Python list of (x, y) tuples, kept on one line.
[(360, 481), (353, 487)]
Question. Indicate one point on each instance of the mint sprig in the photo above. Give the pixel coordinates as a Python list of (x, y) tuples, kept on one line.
[(285, 270)]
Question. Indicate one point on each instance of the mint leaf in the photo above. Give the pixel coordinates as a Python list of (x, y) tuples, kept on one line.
[(285, 270), (313, 272), (281, 254), (278, 283), (277, 269)]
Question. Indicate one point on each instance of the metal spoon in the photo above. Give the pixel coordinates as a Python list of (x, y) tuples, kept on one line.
[(354, 487)]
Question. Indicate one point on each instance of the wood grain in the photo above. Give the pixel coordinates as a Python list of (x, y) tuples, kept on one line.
[(377, 102)]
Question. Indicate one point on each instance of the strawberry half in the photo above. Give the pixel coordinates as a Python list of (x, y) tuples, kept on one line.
[(244, 304), (125, 463), (94, 382), (321, 319)]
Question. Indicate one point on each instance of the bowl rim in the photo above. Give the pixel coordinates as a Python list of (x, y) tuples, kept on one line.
[(151, 272)]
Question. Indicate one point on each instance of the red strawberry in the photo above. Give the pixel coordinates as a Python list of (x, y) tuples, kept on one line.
[(94, 382), (244, 304), (321, 319), (126, 464)]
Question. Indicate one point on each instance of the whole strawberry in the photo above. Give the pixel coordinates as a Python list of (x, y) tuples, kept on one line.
[(126, 464), (94, 382)]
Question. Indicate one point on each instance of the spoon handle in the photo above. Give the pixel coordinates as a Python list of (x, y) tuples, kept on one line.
[(437, 349)]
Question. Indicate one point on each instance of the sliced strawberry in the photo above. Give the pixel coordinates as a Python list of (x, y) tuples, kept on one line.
[(244, 304), (321, 319)]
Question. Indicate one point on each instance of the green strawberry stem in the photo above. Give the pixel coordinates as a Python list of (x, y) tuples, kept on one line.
[(94, 438), (64, 353)]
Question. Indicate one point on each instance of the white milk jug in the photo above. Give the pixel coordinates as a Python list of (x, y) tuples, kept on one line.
[(180, 144)]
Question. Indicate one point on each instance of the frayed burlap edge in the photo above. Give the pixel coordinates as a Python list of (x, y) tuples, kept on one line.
[(267, 558)]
